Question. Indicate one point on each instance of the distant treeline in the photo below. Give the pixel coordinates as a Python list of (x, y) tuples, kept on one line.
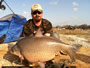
[(83, 26)]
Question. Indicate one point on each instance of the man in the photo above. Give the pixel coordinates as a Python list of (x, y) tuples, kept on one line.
[(32, 25), (37, 21)]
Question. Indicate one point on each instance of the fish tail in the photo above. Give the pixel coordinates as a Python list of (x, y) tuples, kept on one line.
[(72, 54), (72, 51), (76, 47)]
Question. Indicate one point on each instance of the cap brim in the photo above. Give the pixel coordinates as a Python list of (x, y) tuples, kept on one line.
[(37, 10)]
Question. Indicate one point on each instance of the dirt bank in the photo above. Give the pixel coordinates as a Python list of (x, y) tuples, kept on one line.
[(82, 56)]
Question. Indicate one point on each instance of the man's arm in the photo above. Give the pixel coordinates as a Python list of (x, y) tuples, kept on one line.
[(48, 28), (27, 29)]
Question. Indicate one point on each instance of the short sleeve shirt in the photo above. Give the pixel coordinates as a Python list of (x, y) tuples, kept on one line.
[(30, 28)]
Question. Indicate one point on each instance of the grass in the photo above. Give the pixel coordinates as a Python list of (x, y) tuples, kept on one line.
[(73, 32), (77, 32)]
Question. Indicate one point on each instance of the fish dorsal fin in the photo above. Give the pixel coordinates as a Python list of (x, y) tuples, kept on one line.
[(38, 33)]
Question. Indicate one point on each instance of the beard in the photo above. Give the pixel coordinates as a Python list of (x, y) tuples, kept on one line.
[(37, 19)]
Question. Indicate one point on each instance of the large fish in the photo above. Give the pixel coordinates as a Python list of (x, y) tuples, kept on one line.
[(39, 48)]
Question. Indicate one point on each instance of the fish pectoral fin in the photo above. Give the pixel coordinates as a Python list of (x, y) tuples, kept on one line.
[(62, 53), (72, 51)]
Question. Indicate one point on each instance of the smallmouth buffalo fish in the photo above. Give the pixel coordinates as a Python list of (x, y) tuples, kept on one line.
[(40, 49)]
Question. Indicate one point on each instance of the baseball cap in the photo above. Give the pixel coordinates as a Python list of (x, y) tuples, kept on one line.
[(36, 7)]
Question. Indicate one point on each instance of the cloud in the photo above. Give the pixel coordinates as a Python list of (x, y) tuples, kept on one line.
[(75, 9), (75, 4), (26, 14), (54, 2)]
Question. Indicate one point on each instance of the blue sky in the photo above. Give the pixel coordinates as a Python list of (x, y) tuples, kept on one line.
[(59, 12)]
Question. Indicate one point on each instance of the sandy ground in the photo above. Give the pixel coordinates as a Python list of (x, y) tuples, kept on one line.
[(82, 55)]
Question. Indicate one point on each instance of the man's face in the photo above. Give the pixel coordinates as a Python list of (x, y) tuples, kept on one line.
[(37, 15)]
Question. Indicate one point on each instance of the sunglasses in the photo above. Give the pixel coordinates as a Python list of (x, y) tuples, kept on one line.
[(36, 12)]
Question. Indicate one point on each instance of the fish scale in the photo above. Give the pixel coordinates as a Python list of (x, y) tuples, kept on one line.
[(43, 51)]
